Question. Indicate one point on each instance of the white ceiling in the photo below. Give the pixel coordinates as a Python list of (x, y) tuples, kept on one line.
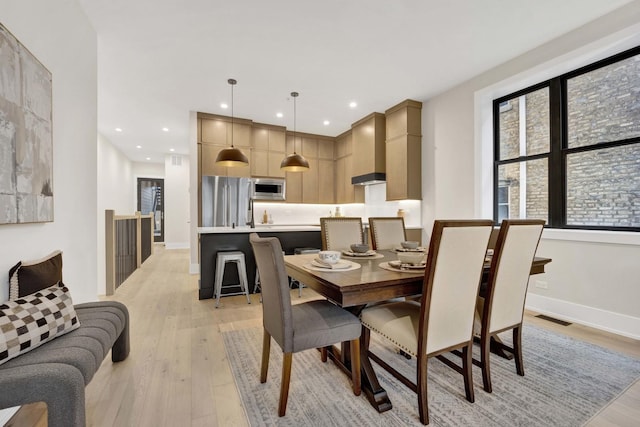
[(160, 59)]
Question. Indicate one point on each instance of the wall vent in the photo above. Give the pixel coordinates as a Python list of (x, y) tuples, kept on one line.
[(176, 160)]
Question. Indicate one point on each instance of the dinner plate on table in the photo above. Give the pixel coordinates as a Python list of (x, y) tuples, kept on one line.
[(418, 249)]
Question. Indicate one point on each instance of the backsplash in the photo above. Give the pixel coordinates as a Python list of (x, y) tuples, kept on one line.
[(310, 214)]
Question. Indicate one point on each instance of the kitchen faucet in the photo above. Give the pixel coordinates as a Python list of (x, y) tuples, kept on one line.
[(251, 221)]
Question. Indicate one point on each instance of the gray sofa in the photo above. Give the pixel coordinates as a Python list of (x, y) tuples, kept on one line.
[(58, 371)]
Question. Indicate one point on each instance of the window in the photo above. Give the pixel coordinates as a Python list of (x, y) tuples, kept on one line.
[(568, 150)]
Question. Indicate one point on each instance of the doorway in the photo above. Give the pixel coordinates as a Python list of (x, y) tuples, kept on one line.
[(151, 201)]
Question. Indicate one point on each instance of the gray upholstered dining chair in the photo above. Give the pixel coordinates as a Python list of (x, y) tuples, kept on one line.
[(387, 232), (501, 306), (313, 324), (339, 233), (443, 320)]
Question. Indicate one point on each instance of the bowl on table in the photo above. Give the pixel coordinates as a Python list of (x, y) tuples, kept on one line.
[(412, 258), (409, 244), (330, 257), (359, 248)]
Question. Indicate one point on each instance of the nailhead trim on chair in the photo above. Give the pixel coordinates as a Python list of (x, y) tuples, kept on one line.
[(397, 344)]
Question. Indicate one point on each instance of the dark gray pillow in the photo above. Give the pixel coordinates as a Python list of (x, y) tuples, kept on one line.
[(27, 277)]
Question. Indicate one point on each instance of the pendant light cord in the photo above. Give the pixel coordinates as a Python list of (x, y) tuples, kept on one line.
[(232, 82), (294, 95)]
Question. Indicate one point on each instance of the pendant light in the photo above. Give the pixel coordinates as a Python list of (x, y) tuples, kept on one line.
[(294, 162), (231, 157)]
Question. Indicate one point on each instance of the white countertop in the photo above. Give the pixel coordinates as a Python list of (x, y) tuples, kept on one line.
[(259, 227)]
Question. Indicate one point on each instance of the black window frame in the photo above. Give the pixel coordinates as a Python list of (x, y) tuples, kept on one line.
[(558, 149)]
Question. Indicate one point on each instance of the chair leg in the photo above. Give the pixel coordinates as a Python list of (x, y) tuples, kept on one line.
[(517, 349), (355, 366), (284, 386), (266, 348), (423, 407), (485, 351), (467, 364), (323, 354)]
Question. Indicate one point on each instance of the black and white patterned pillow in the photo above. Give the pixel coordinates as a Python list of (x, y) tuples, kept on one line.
[(35, 319)]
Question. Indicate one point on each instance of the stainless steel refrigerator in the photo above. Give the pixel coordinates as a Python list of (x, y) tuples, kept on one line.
[(226, 201)]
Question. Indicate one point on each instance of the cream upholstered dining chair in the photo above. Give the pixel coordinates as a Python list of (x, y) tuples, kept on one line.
[(313, 324), (501, 305), (443, 320), (387, 232), (339, 233)]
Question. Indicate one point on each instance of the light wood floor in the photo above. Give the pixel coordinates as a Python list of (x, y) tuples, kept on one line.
[(178, 374)]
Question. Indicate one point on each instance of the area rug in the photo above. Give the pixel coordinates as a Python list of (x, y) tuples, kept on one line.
[(566, 382)]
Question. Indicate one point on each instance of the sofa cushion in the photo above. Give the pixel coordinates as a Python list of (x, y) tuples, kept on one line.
[(27, 277), (35, 319)]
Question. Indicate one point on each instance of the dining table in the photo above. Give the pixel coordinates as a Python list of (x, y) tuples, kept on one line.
[(370, 283)]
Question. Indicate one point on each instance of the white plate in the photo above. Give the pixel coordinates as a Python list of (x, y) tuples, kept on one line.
[(419, 249), (340, 265)]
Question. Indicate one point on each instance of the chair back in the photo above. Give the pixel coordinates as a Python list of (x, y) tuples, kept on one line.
[(509, 274), (276, 300), (387, 232), (452, 277), (339, 233)]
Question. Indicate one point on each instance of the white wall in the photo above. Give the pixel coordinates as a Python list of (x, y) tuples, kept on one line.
[(116, 191), (176, 196), (61, 37), (593, 278)]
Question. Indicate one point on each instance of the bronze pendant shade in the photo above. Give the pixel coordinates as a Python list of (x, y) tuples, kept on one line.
[(232, 156), (294, 162)]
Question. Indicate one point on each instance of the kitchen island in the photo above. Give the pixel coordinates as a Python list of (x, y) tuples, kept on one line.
[(217, 239)]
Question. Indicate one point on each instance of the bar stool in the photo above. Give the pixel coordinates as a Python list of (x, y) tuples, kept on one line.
[(222, 259)]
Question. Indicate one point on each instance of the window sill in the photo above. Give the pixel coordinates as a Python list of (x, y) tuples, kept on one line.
[(593, 236)]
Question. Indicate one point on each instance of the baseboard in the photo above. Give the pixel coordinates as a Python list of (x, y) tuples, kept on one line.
[(194, 268), (178, 245), (609, 321)]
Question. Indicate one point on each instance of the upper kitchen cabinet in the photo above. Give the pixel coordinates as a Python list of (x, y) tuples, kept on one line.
[(316, 185), (404, 151), (219, 130), (369, 148), (345, 191), (268, 150), (214, 134)]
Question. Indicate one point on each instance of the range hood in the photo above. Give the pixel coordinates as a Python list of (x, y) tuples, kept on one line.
[(369, 179)]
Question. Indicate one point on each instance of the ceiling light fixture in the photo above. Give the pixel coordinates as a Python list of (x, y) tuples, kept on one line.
[(326, 123), (165, 129), (279, 115), (223, 105), (353, 104), (138, 146), (118, 130), (294, 162), (172, 149), (231, 157)]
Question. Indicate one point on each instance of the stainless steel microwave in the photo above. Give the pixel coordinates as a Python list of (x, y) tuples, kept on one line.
[(268, 188)]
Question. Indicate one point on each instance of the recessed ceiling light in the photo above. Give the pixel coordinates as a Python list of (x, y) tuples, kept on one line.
[(353, 104), (138, 146), (118, 130), (172, 149), (279, 115), (326, 122), (223, 105), (165, 129), (148, 158)]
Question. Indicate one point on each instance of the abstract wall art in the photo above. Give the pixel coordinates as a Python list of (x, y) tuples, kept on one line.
[(26, 146)]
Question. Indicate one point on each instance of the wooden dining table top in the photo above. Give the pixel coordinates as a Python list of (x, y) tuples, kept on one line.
[(370, 283)]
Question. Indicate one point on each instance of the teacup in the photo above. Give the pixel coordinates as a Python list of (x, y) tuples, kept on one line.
[(409, 244), (330, 257)]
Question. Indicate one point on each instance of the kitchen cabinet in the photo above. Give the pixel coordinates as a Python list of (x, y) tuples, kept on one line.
[(403, 151), (268, 150), (317, 185), (218, 130), (368, 136), (345, 191), (208, 154)]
